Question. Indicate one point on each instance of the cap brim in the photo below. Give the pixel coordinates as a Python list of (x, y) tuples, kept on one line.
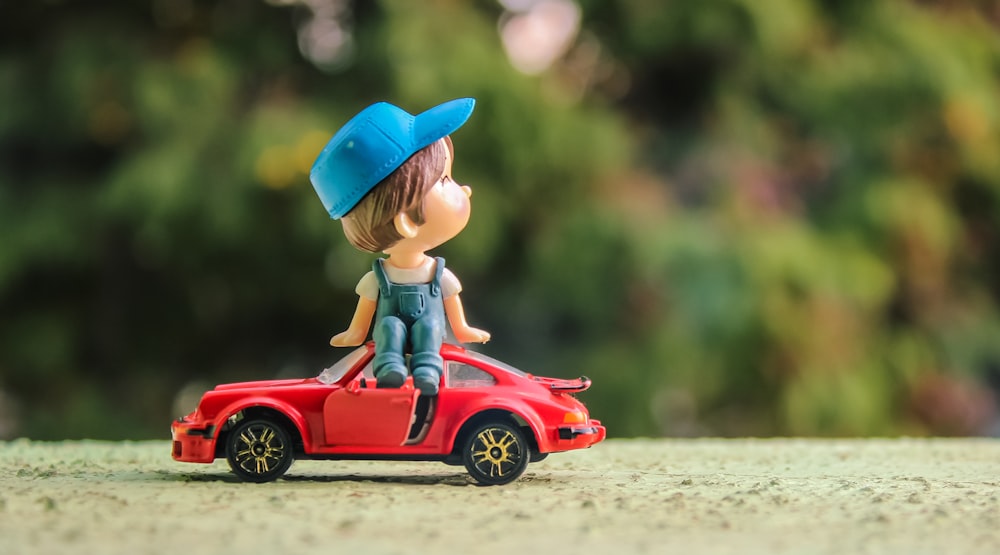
[(441, 121)]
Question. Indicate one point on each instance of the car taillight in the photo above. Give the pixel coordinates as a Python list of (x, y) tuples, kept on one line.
[(575, 417)]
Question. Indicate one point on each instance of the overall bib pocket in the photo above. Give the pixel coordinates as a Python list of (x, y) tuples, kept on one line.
[(411, 304)]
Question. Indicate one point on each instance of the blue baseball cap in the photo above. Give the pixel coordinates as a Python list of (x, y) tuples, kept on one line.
[(373, 144)]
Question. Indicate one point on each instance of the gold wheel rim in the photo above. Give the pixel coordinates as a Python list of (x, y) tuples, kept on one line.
[(259, 449), (496, 452)]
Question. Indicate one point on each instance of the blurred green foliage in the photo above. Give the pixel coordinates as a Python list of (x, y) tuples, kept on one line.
[(736, 216)]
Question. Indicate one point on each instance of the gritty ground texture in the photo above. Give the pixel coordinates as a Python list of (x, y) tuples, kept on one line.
[(624, 496)]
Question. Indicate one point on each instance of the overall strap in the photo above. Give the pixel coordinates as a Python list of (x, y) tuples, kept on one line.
[(383, 280), (438, 272)]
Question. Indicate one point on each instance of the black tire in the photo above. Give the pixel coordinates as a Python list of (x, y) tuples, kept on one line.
[(259, 450), (495, 453)]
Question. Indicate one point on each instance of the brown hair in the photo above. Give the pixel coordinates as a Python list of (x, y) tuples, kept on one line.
[(369, 225)]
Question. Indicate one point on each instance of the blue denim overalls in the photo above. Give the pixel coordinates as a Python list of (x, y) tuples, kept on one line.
[(409, 315)]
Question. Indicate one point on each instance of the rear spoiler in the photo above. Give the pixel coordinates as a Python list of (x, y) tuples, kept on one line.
[(557, 385)]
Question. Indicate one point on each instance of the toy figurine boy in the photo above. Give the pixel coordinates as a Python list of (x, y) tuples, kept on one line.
[(387, 176)]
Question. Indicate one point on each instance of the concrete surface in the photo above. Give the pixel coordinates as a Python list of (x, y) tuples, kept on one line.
[(620, 497)]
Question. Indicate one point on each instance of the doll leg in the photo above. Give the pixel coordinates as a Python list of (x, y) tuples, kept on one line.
[(426, 362), (390, 339)]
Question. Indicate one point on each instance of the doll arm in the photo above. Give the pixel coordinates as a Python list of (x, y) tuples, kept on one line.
[(358, 330), (456, 317)]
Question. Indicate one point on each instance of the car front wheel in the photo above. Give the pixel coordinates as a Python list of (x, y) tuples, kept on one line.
[(259, 451), (495, 454)]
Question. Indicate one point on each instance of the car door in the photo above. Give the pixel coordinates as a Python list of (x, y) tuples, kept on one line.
[(362, 416)]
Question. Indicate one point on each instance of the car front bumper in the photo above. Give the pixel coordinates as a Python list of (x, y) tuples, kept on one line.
[(192, 442)]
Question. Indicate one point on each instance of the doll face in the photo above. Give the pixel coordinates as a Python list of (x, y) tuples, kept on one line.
[(446, 212), (446, 207)]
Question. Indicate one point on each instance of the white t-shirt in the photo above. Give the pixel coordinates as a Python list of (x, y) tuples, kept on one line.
[(368, 286)]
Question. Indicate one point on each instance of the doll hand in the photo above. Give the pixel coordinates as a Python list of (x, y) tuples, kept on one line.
[(472, 335), (347, 339)]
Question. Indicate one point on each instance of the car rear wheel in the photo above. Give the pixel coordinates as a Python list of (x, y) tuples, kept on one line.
[(259, 451), (495, 454)]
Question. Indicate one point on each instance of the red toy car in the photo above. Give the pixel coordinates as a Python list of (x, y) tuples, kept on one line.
[(490, 417)]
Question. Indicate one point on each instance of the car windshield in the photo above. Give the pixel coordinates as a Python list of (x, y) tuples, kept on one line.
[(495, 362), (337, 371)]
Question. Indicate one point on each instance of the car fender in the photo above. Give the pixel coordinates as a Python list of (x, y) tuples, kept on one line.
[(521, 410), (286, 409)]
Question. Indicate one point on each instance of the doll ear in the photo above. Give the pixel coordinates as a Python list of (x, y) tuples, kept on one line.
[(405, 226)]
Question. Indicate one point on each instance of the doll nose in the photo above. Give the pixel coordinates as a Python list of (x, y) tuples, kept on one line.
[(467, 190)]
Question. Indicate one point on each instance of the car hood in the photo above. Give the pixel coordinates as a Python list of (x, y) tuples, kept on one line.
[(263, 383)]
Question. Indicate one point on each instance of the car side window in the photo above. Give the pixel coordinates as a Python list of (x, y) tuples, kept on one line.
[(461, 374)]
